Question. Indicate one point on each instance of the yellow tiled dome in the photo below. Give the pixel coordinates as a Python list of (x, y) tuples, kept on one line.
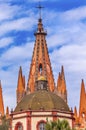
[(42, 99), (42, 78)]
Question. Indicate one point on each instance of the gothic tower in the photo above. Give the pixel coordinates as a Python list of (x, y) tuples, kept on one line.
[(20, 86), (75, 112), (61, 85), (82, 107), (76, 117), (7, 113), (40, 64), (1, 101)]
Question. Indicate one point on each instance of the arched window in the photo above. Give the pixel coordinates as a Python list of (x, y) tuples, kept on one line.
[(41, 126), (19, 126)]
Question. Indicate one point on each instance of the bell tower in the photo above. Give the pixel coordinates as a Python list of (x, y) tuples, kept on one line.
[(1, 102), (40, 64)]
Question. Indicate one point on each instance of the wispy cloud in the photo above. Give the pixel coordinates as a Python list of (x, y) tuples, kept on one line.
[(66, 41), (9, 11), (4, 42), (17, 53), (17, 25), (69, 49), (74, 15)]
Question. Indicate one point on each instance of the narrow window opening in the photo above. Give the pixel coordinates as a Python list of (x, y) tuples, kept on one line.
[(41, 86), (40, 68)]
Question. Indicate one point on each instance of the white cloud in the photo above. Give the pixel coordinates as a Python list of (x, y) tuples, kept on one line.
[(16, 55), (17, 25), (20, 52), (74, 15), (15, 18), (66, 30), (69, 33), (8, 11), (73, 57), (6, 41)]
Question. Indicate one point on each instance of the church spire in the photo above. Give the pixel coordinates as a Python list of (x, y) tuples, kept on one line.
[(75, 112), (40, 25), (62, 73), (7, 112), (76, 116), (59, 82), (1, 101), (61, 85), (20, 86), (82, 107), (40, 64)]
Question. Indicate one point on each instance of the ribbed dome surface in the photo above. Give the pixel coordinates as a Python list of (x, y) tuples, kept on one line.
[(42, 99)]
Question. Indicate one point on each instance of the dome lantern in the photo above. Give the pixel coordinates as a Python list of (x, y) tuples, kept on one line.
[(41, 84)]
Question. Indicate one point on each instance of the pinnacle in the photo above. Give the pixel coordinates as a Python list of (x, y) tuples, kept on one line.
[(1, 101), (61, 85), (75, 110), (7, 110), (62, 72), (21, 80), (62, 69), (82, 107), (0, 84), (82, 86), (82, 82), (59, 74), (0, 87), (20, 70), (59, 80)]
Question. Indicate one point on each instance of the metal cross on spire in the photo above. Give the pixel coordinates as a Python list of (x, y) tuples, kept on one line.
[(40, 8)]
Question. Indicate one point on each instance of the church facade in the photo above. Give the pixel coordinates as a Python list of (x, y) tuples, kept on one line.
[(41, 99)]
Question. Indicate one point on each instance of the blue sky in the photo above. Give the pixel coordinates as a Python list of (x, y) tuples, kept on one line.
[(65, 22)]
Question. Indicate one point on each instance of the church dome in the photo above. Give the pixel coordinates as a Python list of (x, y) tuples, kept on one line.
[(42, 99)]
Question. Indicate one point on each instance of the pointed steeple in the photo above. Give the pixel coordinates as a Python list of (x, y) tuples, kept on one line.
[(40, 27), (75, 112), (1, 101), (40, 64), (82, 107), (24, 81), (20, 86), (61, 85), (76, 117), (62, 73), (7, 113)]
